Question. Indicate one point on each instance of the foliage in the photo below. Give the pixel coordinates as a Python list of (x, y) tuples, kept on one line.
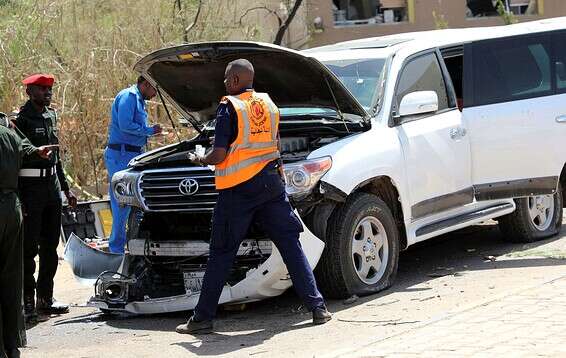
[(440, 22), (91, 47), (507, 16)]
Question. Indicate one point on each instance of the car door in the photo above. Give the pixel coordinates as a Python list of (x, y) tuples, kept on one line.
[(435, 145), (514, 115)]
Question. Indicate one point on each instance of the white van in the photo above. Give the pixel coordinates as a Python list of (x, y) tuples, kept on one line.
[(425, 133)]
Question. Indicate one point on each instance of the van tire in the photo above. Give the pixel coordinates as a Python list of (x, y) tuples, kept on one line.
[(519, 226), (336, 272)]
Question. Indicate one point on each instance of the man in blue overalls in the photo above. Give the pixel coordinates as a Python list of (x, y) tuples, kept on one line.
[(127, 136), (247, 175)]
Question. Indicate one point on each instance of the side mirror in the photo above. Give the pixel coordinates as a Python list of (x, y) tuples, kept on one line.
[(418, 103)]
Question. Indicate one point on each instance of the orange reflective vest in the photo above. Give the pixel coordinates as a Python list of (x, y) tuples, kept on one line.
[(256, 143)]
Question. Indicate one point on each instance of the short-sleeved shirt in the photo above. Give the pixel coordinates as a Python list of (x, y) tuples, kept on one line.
[(226, 128)]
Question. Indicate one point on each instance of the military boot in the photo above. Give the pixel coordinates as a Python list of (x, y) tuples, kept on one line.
[(49, 306), (13, 353), (30, 313)]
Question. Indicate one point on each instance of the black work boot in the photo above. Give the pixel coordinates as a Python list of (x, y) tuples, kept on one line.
[(320, 315), (13, 353), (30, 314), (193, 326), (49, 306)]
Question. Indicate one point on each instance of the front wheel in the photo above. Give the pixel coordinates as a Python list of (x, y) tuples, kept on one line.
[(362, 249), (536, 218)]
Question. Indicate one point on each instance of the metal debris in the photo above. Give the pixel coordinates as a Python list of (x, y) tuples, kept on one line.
[(351, 299)]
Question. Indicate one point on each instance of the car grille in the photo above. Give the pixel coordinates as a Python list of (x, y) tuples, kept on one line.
[(160, 190)]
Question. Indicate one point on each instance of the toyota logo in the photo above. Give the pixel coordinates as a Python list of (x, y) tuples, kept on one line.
[(188, 186)]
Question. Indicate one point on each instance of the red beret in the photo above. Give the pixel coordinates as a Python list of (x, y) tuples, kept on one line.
[(39, 79)]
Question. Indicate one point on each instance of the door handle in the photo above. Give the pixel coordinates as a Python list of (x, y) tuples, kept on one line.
[(561, 119)]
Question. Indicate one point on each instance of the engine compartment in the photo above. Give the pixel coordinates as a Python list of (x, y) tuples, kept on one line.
[(168, 244)]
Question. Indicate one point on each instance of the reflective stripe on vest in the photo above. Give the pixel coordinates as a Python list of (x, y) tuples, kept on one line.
[(258, 145), (256, 142), (246, 163)]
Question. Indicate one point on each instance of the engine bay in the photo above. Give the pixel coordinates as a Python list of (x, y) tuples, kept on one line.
[(168, 240)]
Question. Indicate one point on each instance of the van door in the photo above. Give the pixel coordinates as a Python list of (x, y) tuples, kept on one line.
[(511, 111), (435, 145)]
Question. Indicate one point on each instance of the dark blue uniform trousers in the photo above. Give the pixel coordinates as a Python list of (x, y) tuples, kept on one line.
[(262, 199)]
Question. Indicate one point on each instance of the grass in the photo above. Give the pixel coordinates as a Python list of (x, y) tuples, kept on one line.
[(91, 47)]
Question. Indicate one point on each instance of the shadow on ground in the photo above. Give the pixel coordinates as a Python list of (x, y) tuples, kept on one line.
[(472, 249)]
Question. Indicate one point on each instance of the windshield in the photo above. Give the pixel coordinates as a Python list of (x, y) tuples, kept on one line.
[(360, 76)]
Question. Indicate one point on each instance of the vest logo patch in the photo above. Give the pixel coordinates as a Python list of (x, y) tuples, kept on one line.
[(257, 114)]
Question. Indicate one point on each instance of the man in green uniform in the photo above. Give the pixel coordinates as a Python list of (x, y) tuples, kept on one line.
[(40, 184), (12, 151)]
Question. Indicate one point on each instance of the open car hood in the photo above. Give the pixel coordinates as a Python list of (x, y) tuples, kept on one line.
[(191, 77)]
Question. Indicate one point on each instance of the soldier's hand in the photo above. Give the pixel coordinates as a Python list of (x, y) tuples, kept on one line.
[(71, 199), (44, 151)]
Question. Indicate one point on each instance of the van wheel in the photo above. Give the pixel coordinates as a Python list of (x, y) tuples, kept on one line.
[(362, 249), (536, 218)]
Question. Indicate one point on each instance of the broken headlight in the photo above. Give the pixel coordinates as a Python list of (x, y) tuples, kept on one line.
[(301, 177), (124, 185)]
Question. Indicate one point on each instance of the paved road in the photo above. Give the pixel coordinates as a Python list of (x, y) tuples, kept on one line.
[(464, 293)]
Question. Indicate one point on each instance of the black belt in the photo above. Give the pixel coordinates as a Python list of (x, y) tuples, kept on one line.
[(127, 147)]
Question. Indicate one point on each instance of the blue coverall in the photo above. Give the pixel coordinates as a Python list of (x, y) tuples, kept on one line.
[(261, 199), (129, 130)]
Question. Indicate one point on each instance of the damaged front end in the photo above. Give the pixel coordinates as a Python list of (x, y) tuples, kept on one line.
[(160, 276), (172, 201)]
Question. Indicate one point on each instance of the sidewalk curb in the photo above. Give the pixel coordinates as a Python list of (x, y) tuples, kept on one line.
[(448, 315)]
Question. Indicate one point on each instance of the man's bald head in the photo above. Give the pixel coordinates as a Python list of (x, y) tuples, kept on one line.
[(239, 75)]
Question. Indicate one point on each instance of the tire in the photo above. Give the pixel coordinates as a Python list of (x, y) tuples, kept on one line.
[(340, 272), (523, 225)]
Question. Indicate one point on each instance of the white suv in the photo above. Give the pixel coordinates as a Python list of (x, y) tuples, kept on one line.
[(386, 142)]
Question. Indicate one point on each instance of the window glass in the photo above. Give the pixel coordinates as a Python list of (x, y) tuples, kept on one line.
[(560, 50), (363, 12), (423, 74), (360, 76), (481, 8), (511, 69)]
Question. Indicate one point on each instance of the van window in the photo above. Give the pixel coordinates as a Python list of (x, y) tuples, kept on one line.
[(560, 51), (511, 69), (422, 74)]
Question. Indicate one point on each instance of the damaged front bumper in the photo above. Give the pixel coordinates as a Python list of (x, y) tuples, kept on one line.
[(269, 279)]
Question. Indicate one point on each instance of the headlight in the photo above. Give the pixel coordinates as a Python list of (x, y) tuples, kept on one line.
[(124, 186), (302, 176)]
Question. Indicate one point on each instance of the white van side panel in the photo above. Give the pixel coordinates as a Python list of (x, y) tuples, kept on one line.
[(517, 140)]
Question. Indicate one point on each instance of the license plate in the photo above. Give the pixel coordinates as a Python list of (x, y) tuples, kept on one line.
[(193, 281)]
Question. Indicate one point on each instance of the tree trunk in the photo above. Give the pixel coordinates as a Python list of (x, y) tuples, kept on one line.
[(283, 28)]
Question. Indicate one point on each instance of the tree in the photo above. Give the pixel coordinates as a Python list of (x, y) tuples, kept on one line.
[(507, 16), (283, 27)]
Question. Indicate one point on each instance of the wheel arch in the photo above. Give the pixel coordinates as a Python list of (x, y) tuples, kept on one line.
[(384, 187)]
